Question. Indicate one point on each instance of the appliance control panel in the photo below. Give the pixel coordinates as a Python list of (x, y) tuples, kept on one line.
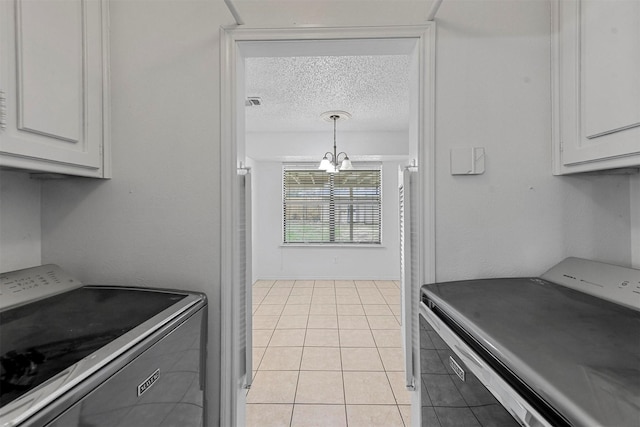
[(617, 284), (23, 286)]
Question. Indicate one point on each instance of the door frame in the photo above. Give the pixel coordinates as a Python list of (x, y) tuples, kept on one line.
[(232, 134)]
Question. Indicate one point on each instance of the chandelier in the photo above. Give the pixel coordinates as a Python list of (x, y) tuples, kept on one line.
[(331, 160)]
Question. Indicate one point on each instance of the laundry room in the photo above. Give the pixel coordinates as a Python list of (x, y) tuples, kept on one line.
[(124, 163)]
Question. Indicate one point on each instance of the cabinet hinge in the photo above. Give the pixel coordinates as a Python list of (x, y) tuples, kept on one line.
[(3, 110)]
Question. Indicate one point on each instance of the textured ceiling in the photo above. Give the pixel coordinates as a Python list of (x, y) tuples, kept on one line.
[(296, 90)]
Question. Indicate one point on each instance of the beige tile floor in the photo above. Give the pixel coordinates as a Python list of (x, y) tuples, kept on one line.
[(327, 353)]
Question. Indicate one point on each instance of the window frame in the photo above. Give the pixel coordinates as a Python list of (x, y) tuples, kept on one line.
[(360, 166)]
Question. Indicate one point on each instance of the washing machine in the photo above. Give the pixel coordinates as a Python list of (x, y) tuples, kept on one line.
[(85, 355)]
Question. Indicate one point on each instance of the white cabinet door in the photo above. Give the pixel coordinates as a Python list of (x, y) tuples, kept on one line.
[(53, 78), (598, 85)]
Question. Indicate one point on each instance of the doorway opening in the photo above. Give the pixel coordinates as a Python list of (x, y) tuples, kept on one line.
[(238, 151)]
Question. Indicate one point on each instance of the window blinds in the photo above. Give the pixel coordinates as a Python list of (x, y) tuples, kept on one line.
[(320, 207)]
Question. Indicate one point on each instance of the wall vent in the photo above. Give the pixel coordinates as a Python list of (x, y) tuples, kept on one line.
[(253, 101)]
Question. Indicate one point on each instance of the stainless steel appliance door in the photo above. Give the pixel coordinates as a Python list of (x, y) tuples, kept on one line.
[(573, 356), (452, 395), (162, 386)]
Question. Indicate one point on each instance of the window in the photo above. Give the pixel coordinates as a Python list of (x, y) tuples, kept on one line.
[(341, 208)]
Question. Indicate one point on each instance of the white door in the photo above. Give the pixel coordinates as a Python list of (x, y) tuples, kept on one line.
[(409, 274), (245, 315)]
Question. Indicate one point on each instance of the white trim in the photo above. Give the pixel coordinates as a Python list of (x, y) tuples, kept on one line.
[(426, 187), (424, 35), (227, 168), (426, 173), (234, 11), (434, 10), (313, 165), (334, 245), (107, 168), (380, 36), (556, 124), (634, 190)]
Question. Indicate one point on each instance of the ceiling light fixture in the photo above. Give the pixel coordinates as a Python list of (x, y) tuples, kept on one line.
[(330, 160)]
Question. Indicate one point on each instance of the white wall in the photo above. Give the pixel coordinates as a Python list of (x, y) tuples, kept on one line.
[(157, 222), (20, 239), (493, 91), (272, 260), (311, 146)]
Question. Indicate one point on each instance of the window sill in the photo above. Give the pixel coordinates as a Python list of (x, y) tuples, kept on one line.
[(333, 245)]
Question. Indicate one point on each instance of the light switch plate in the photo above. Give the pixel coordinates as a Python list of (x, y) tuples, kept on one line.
[(467, 161)]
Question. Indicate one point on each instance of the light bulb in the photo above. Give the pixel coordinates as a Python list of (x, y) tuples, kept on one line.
[(346, 165), (325, 164)]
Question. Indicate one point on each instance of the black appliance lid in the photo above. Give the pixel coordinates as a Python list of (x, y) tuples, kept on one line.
[(43, 338), (578, 352)]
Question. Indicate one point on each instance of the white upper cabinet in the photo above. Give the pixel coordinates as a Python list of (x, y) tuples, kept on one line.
[(596, 85), (53, 79)]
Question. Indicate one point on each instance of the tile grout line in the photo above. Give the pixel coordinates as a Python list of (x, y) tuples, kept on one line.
[(344, 397), (394, 394), (270, 336), (344, 392), (340, 345), (295, 392), (385, 371)]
